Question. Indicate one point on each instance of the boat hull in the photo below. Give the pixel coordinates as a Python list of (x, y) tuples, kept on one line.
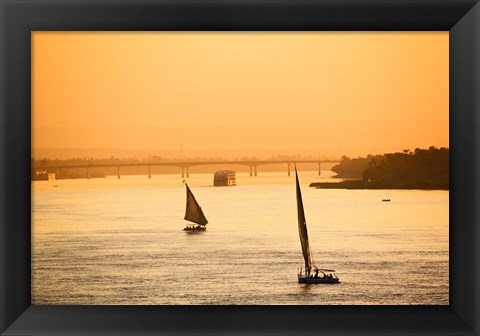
[(323, 280), (194, 229)]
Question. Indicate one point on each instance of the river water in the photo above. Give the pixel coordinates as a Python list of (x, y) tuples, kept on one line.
[(120, 241)]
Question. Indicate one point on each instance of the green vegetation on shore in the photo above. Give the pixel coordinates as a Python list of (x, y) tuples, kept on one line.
[(422, 169), (353, 168)]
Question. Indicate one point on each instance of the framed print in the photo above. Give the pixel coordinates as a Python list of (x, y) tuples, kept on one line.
[(94, 241)]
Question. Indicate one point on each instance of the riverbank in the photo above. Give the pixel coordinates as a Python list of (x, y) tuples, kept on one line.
[(359, 184)]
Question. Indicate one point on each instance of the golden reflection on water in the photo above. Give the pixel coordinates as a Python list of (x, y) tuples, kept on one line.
[(110, 241)]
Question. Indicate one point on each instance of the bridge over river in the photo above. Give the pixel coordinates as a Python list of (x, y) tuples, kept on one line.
[(185, 165)]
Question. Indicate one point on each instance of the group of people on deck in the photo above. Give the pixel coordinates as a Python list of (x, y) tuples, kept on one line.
[(328, 276), (194, 228)]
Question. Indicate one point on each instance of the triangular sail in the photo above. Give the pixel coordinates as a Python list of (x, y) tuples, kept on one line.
[(193, 212), (302, 228)]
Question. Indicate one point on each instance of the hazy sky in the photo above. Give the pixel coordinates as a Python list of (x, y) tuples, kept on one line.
[(320, 93)]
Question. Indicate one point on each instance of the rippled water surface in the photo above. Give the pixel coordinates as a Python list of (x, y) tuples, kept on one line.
[(120, 241)]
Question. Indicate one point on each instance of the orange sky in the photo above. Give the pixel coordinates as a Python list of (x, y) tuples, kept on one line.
[(313, 93)]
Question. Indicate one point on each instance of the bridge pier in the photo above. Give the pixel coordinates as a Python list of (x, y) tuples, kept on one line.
[(250, 170), (319, 171), (185, 171), (149, 173), (118, 172), (88, 173), (288, 168), (255, 167)]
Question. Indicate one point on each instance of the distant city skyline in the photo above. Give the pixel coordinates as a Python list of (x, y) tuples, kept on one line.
[(104, 153), (239, 93)]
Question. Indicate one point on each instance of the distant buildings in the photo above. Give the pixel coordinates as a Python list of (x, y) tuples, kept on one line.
[(43, 175)]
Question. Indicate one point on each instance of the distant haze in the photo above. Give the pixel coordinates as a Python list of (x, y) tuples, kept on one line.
[(233, 94)]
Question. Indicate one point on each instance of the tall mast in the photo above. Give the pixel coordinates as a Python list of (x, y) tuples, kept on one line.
[(302, 227)]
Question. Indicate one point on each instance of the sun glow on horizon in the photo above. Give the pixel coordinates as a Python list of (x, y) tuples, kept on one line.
[(327, 93)]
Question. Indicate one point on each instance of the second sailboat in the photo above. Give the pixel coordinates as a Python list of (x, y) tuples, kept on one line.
[(311, 273)]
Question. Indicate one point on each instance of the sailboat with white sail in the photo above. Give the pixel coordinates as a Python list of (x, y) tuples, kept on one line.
[(311, 273), (194, 213)]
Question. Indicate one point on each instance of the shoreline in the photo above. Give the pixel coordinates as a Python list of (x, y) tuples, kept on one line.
[(359, 184)]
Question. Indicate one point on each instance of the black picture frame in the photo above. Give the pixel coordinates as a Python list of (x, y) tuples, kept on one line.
[(19, 17)]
